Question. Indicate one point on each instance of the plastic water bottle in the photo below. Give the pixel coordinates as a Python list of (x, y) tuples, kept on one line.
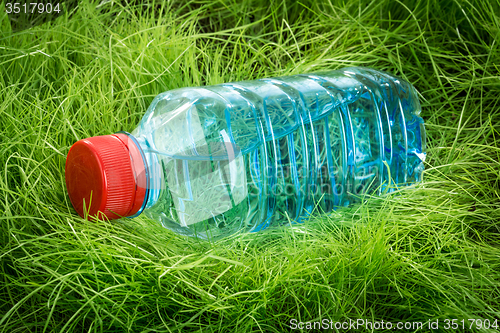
[(210, 161)]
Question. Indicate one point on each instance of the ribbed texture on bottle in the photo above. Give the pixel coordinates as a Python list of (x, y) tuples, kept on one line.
[(120, 178), (311, 142), (324, 136)]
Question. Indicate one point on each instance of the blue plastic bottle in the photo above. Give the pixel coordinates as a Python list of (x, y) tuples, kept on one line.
[(214, 160)]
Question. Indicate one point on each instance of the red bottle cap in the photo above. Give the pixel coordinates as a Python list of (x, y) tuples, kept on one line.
[(106, 175)]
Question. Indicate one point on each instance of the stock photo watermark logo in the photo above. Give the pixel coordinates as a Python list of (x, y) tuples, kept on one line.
[(264, 175), (209, 179)]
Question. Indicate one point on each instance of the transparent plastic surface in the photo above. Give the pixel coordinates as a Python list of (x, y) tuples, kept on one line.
[(246, 155)]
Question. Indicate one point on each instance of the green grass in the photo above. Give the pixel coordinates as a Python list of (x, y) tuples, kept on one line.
[(429, 252)]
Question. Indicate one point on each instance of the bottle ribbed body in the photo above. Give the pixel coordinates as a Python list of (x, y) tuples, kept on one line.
[(246, 155)]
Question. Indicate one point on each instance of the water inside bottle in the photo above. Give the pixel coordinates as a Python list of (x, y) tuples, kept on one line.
[(248, 154)]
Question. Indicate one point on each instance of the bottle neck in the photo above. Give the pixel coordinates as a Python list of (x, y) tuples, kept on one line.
[(152, 170)]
